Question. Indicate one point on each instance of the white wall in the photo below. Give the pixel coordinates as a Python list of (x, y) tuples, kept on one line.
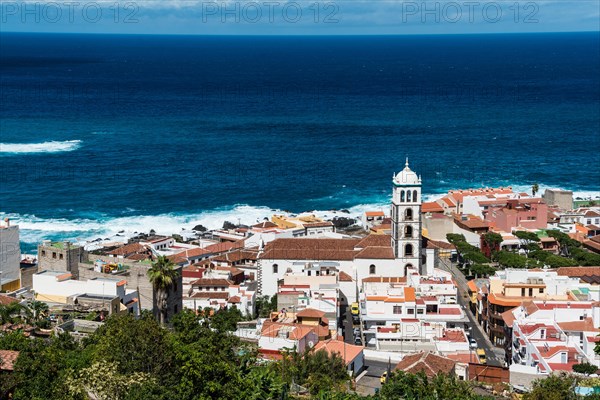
[(10, 253)]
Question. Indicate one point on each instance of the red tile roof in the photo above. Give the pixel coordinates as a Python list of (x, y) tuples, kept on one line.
[(376, 252), (586, 325), (220, 282), (578, 271), (4, 299), (234, 300), (344, 277), (265, 225), (8, 359), (348, 352), (128, 249), (224, 246), (431, 206), (429, 363), (310, 313), (373, 246)]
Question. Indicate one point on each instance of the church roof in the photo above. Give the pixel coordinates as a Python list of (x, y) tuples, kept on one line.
[(370, 247), (407, 177)]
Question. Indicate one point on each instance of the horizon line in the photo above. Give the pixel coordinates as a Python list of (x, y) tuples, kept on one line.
[(295, 34)]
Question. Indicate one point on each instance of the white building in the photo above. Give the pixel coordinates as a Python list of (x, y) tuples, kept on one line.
[(56, 287), (549, 336), (10, 257), (373, 255), (406, 218), (412, 313), (218, 293)]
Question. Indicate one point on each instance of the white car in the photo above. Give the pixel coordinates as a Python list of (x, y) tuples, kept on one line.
[(472, 343)]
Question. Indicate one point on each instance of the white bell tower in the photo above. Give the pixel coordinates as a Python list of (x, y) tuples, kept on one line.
[(406, 218)]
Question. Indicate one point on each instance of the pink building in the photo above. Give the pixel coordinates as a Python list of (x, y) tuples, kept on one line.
[(512, 213)]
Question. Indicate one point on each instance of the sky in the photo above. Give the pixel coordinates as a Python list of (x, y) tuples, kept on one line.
[(299, 17)]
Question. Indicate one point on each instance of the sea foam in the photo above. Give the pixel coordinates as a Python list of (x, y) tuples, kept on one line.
[(44, 147)]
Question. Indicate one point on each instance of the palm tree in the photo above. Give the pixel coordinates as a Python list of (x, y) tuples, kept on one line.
[(10, 312), (37, 310), (534, 189), (162, 276)]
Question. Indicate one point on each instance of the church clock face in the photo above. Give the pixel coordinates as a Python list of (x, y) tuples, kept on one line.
[(406, 217)]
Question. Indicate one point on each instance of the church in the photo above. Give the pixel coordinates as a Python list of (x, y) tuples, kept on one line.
[(353, 258)]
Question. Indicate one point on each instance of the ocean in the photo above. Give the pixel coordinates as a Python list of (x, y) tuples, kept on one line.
[(104, 133)]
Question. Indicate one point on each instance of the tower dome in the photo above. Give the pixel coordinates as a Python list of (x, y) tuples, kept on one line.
[(407, 176)]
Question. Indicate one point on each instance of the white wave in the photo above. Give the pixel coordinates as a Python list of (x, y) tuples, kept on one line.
[(34, 229), (44, 147)]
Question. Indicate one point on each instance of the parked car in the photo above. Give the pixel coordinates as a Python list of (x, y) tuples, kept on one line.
[(354, 310), (481, 356), (383, 378), (357, 340), (472, 343)]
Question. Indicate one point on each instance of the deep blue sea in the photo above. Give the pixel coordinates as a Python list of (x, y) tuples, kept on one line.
[(107, 132)]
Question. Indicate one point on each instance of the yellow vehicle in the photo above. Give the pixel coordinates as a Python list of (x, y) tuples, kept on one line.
[(481, 356), (354, 309), (383, 377)]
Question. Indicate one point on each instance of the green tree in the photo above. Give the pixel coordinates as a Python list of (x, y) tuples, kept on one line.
[(508, 259), (162, 275), (534, 189), (527, 239), (37, 311), (42, 368), (10, 313), (402, 385), (585, 368), (555, 261), (133, 344), (492, 240), (226, 319), (482, 270), (264, 305), (316, 370), (565, 243), (554, 387), (103, 381)]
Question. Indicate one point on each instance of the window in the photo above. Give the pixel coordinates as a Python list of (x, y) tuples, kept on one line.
[(410, 311), (275, 268), (420, 311), (408, 230), (43, 253), (415, 196), (408, 250), (522, 292), (530, 292), (372, 269), (61, 256), (402, 196), (541, 290), (397, 310), (53, 254), (408, 196), (408, 214)]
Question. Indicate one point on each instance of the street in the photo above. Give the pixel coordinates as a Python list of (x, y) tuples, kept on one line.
[(493, 354)]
